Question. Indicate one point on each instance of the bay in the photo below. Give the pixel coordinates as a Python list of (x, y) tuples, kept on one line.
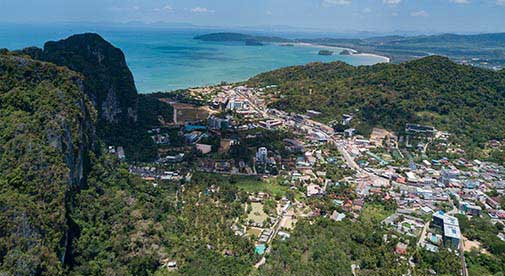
[(165, 59)]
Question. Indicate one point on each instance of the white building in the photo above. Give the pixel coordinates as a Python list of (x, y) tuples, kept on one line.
[(262, 155)]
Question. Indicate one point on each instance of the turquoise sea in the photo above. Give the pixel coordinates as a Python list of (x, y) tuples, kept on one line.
[(169, 58)]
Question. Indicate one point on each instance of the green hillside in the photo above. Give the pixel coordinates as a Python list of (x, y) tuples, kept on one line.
[(70, 208), (46, 135), (466, 101)]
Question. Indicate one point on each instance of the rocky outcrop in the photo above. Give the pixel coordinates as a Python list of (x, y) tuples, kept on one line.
[(107, 79)]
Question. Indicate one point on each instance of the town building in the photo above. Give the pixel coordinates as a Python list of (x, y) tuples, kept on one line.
[(262, 155), (420, 129), (450, 227)]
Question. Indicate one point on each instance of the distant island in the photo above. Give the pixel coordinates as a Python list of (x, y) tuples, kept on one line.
[(346, 53), (238, 37), (325, 53), (253, 42), (287, 45)]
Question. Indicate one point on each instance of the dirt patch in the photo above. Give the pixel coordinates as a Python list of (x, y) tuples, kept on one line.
[(254, 231), (468, 245), (257, 215), (288, 222)]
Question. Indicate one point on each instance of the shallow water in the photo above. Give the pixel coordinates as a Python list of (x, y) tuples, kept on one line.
[(169, 59)]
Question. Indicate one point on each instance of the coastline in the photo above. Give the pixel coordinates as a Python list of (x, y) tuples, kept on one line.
[(353, 51)]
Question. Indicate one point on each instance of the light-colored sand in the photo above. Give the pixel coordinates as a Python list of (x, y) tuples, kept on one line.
[(353, 52)]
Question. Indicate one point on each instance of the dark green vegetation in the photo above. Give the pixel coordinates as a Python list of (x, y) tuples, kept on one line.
[(46, 135), (325, 53), (238, 37), (326, 247), (68, 208), (108, 83), (272, 140), (127, 227), (346, 53), (482, 230), (464, 100)]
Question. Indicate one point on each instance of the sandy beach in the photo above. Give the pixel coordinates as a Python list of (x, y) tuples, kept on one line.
[(338, 49)]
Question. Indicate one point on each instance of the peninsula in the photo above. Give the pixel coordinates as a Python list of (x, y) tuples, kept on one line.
[(483, 50)]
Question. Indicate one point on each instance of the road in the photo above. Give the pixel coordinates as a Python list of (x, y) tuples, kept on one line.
[(261, 262), (347, 157), (316, 126), (276, 229), (464, 270), (423, 234), (255, 107)]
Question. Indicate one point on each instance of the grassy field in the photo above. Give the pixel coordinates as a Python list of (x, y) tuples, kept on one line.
[(271, 187), (374, 213), (254, 231)]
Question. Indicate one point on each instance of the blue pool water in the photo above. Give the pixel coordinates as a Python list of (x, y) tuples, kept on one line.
[(260, 249)]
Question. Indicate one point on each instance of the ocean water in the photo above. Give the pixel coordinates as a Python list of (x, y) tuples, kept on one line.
[(169, 59)]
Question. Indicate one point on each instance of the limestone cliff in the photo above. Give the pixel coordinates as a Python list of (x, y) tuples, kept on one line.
[(107, 79)]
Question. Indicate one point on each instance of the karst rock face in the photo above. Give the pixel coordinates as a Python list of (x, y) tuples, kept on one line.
[(108, 81)]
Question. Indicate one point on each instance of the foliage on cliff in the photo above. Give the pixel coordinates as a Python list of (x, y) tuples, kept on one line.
[(107, 78), (46, 133), (465, 100), (67, 208), (109, 84)]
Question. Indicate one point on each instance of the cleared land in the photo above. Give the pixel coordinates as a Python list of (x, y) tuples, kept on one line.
[(253, 186), (257, 215)]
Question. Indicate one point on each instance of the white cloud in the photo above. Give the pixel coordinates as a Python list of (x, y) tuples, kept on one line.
[(327, 3), (201, 10), (392, 2), (421, 13), (500, 2), (460, 1), (166, 8), (367, 10), (124, 8)]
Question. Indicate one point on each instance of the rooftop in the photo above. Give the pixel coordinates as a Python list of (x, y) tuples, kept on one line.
[(452, 231)]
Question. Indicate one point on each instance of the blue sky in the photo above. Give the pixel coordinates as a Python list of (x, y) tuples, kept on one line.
[(336, 15)]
